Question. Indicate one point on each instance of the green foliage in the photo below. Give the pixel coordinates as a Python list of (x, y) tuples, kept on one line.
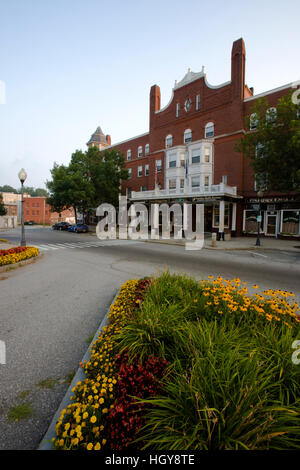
[(231, 383), (91, 178), (2, 208), (274, 145)]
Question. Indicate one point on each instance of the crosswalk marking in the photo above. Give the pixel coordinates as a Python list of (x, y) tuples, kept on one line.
[(74, 245)]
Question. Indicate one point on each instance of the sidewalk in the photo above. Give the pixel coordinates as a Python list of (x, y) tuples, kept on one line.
[(241, 243)]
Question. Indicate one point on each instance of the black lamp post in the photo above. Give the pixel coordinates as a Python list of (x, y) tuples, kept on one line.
[(260, 195), (22, 177)]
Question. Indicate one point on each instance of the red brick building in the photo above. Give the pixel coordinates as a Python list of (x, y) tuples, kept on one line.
[(37, 210), (188, 154)]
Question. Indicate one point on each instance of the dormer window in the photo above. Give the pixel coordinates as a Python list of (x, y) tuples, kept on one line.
[(209, 130), (169, 140), (187, 136)]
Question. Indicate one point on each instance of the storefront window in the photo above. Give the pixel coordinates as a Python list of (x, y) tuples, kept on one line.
[(251, 222), (216, 218), (290, 223)]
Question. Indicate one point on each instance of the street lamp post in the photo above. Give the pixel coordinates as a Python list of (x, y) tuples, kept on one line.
[(22, 177), (260, 195)]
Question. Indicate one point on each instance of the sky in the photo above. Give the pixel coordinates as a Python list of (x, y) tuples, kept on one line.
[(69, 66)]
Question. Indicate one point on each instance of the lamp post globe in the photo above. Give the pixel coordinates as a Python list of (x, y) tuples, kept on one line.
[(22, 177)]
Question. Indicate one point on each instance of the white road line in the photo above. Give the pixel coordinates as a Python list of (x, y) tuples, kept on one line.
[(48, 247), (258, 254), (41, 247)]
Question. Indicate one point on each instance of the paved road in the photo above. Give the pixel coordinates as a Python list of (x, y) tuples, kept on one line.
[(50, 309)]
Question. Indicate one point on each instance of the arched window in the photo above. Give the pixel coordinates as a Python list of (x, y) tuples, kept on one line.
[(209, 130), (187, 136), (253, 121), (271, 115), (169, 140)]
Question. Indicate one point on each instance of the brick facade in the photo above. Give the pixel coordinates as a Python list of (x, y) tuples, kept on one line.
[(227, 178)]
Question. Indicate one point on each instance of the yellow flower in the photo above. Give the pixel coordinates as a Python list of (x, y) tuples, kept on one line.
[(97, 446), (89, 446), (93, 419)]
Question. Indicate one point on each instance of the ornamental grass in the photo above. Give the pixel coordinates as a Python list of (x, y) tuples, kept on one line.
[(188, 365), (16, 254)]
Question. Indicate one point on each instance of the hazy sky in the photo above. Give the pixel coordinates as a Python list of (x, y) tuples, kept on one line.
[(71, 65)]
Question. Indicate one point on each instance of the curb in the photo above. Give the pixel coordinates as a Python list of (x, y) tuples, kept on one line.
[(46, 443), (9, 267)]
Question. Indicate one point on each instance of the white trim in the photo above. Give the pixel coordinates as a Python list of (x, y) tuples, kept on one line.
[(215, 86), (274, 90), (127, 140)]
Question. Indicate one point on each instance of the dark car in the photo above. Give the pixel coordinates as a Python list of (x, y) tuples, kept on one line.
[(61, 226), (78, 228), (29, 222)]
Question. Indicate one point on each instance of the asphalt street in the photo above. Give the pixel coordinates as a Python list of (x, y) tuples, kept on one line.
[(50, 309)]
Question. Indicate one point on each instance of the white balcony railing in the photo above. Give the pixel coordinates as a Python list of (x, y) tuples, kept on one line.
[(211, 190)]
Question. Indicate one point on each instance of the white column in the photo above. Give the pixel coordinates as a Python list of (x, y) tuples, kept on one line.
[(233, 223), (221, 216)]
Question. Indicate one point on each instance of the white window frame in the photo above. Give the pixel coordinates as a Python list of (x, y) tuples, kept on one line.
[(195, 154), (198, 102), (147, 169), (140, 151), (140, 171), (177, 109), (129, 154), (158, 166), (169, 141), (172, 158), (147, 149), (268, 115), (253, 121), (187, 137), (206, 155), (129, 173), (209, 130)]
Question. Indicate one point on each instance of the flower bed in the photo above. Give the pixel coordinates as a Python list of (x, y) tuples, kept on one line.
[(16, 254), (188, 365)]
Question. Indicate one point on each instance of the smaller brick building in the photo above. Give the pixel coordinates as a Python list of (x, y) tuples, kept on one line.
[(37, 210)]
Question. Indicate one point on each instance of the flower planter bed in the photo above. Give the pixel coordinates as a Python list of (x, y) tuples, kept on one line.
[(187, 365), (16, 254)]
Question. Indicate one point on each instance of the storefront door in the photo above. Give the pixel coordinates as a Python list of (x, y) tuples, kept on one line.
[(271, 224)]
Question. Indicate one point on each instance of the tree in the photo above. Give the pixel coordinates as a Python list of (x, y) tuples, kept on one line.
[(272, 142), (91, 178), (7, 189), (3, 211)]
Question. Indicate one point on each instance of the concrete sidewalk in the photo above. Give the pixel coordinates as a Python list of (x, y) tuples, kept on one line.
[(241, 243)]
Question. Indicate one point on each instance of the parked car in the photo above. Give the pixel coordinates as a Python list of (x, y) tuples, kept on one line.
[(78, 228), (29, 222), (61, 226)]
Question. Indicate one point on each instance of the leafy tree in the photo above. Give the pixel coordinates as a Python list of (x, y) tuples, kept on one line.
[(7, 189), (272, 142), (92, 177), (2, 208)]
